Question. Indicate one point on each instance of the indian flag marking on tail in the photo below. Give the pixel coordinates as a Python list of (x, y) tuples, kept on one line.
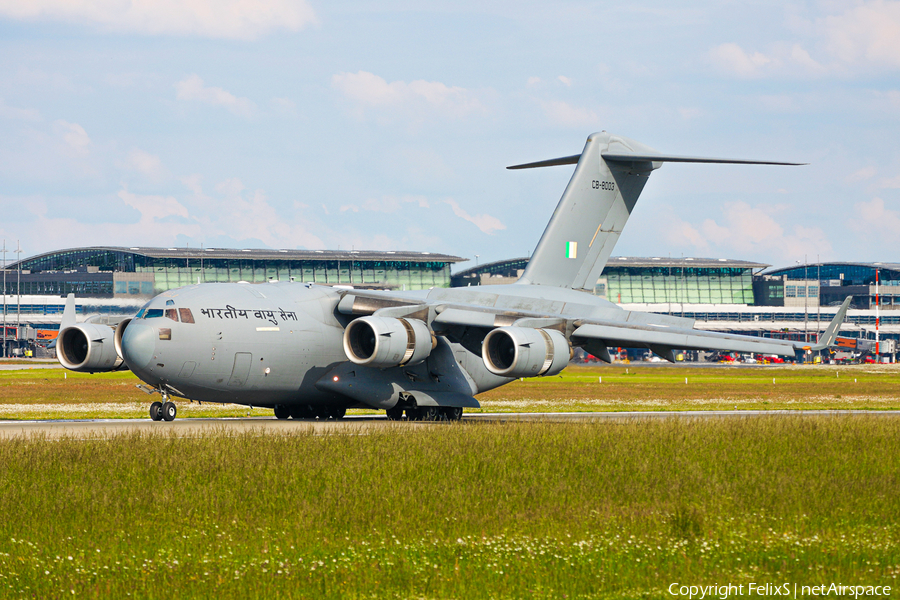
[(571, 249)]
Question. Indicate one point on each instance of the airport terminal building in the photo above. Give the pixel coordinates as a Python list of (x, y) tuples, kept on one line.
[(113, 272)]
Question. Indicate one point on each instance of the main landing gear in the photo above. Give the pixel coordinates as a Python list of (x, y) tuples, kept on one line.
[(426, 413), (309, 412), (163, 411)]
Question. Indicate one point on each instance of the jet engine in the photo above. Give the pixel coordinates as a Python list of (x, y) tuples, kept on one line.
[(385, 342), (88, 347), (525, 352), (117, 336)]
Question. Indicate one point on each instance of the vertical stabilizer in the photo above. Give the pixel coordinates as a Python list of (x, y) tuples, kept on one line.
[(610, 174), (590, 215)]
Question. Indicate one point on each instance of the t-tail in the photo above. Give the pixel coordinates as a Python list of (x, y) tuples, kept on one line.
[(610, 174)]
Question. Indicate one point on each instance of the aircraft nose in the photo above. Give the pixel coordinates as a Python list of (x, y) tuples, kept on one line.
[(138, 344)]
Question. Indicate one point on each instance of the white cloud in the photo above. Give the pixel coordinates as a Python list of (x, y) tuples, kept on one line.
[(387, 204), (867, 33), (689, 114), (874, 219), (73, 135), (369, 90), (563, 113), (153, 208), (890, 183), (486, 223), (733, 59), (746, 230), (239, 214), (233, 19), (532, 81), (861, 174), (284, 106), (863, 38), (18, 114), (191, 88), (565, 80), (145, 163)]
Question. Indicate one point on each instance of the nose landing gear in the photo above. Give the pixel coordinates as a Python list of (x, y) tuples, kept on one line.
[(160, 411)]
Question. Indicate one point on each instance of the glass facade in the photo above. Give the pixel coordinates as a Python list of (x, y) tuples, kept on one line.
[(197, 267), (174, 273), (60, 287), (694, 285), (850, 273)]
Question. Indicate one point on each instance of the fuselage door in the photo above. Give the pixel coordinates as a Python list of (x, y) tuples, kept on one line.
[(241, 370)]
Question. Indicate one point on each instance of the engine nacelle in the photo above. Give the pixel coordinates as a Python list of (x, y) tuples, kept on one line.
[(117, 336), (88, 347), (385, 342), (525, 352)]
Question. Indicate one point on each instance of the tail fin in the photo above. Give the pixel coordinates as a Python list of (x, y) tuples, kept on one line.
[(826, 340), (610, 174)]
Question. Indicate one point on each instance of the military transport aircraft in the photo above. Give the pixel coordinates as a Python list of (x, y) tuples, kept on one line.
[(311, 351)]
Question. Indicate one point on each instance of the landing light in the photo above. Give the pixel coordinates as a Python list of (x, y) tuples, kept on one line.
[(335, 377)]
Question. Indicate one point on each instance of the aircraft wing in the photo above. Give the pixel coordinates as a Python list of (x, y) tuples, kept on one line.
[(660, 333)]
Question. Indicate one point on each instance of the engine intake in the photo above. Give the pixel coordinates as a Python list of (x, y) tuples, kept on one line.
[(525, 352), (88, 347), (117, 336), (385, 342)]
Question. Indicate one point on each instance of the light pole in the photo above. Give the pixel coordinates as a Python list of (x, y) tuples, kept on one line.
[(18, 291), (4, 298), (805, 300)]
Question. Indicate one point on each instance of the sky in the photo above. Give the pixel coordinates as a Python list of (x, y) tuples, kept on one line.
[(388, 125)]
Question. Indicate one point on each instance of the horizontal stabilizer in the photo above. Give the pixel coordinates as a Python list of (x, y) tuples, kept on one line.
[(553, 162), (646, 157), (619, 157)]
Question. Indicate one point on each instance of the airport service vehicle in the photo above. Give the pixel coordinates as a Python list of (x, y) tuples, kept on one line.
[(312, 351)]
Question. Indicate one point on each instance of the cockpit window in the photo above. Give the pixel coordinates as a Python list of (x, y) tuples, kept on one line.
[(140, 313), (171, 313), (186, 315), (153, 313)]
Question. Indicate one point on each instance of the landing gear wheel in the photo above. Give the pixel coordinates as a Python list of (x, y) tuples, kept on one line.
[(169, 411), (424, 413), (453, 413), (320, 411), (337, 412), (395, 414), (156, 411), (302, 411), (282, 411)]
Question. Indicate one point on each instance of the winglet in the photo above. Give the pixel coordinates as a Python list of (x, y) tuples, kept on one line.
[(830, 334), (68, 317)]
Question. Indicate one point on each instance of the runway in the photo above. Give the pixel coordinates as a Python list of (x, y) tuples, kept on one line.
[(102, 428)]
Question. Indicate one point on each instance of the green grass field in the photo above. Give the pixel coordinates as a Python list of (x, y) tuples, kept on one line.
[(468, 510), (45, 394)]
